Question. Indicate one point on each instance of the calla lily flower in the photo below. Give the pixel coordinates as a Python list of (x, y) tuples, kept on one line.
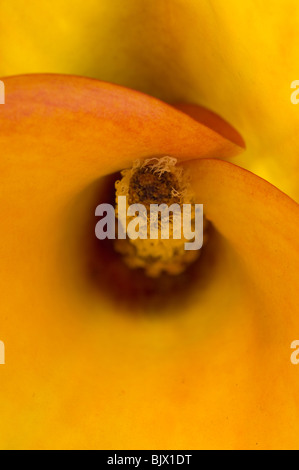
[(235, 58), (88, 367)]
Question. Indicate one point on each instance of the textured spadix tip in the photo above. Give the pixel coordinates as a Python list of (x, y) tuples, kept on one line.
[(156, 181)]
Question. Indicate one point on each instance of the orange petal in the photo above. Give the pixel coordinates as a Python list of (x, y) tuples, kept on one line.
[(91, 374), (213, 121), (98, 127), (222, 56), (260, 223)]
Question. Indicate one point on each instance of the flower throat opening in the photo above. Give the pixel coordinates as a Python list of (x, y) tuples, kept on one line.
[(149, 276)]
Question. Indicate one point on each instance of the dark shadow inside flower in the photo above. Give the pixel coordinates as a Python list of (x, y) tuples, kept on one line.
[(105, 273)]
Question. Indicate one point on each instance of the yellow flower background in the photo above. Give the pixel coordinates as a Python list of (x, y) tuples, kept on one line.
[(83, 370)]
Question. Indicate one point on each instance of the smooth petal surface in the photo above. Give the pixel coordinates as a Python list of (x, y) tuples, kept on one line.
[(236, 58), (82, 371), (261, 224), (97, 123)]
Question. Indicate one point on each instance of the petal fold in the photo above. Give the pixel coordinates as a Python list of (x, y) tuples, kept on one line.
[(98, 127)]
